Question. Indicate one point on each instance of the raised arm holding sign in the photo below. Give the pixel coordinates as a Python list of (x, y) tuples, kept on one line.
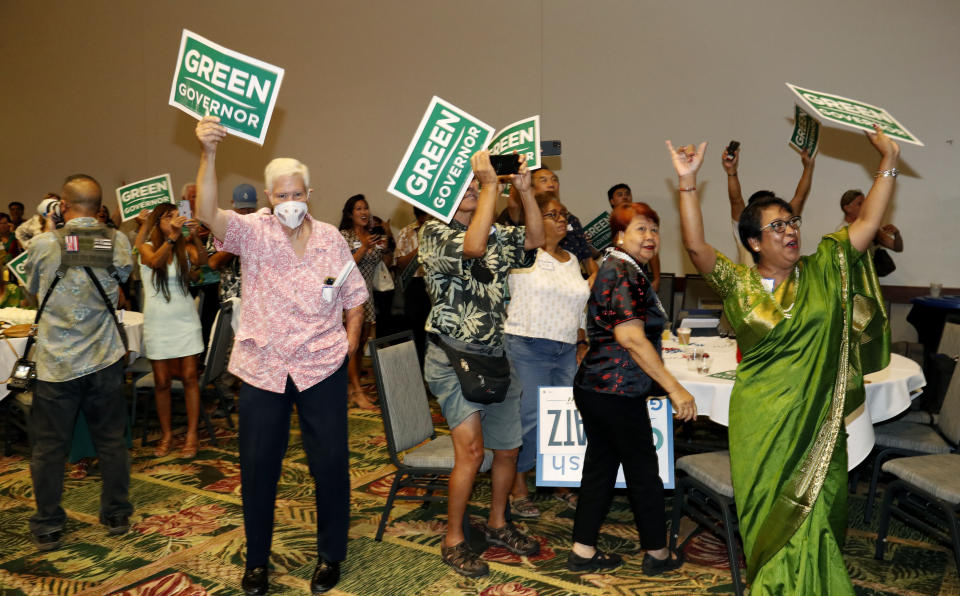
[(211, 80)]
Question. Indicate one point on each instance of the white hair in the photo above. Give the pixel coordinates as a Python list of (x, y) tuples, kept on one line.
[(183, 189), (285, 166)]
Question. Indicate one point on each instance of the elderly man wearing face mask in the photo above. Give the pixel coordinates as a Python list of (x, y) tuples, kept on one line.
[(291, 349)]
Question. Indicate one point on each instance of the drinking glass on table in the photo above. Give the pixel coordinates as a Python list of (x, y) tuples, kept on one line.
[(703, 363), (694, 354), (683, 335)]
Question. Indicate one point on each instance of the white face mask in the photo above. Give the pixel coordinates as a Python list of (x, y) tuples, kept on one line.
[(291, 213)]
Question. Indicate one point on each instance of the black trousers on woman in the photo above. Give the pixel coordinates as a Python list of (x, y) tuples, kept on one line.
[(618, 432), (263, 434)]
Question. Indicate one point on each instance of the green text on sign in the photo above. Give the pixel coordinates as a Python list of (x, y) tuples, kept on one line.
[(216, 81), (435, 170), (145, 194)]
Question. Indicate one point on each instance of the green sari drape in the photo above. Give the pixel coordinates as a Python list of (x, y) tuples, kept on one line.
[(805, 350)]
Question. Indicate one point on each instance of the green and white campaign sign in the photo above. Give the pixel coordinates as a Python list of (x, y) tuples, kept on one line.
[(523, 137), (598, 232), (806, 132), (211, 80), (18, 266), (853, 113), (145, 194), (435, 171), (562, 442)]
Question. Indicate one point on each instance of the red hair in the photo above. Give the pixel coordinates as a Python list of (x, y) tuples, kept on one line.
[(625, 212)]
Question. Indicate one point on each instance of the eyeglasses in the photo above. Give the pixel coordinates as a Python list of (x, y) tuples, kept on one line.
[(556, 215), (778, 225)]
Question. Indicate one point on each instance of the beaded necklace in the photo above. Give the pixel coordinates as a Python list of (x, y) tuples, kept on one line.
[(619, 254)]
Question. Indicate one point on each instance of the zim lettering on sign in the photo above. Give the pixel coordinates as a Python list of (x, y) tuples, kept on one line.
[(211, 80), (562, 439)]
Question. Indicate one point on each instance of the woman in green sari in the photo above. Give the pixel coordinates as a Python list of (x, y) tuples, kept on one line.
[(809, 328)]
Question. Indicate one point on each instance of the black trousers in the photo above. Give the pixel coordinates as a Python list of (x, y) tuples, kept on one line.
[(99, 395), (416, 306), (618, 432), (264, 432)]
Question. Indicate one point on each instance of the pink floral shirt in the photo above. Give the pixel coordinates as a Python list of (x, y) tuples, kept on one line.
[(287, 327)]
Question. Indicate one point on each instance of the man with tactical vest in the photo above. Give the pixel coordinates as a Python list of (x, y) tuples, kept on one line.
[(75, 272)]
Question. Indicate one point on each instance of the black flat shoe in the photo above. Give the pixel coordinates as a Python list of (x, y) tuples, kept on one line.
[(255, 581), (325, 576), (654, 566), (598, 562), (117, 525), (49, 541)]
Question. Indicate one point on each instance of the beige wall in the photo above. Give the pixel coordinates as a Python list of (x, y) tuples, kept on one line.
[(86, 87)]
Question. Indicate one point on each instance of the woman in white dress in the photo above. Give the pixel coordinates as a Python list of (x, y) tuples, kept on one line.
[(171, 326)]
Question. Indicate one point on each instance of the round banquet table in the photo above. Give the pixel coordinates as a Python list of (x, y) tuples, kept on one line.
[(889, 391), (132, 325)]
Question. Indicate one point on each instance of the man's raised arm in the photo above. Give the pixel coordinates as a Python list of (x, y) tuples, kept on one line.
[(210, 133)]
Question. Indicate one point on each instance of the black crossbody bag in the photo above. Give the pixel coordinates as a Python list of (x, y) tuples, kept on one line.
[(483, 379)]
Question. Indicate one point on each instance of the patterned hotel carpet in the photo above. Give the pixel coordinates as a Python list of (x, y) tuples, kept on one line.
[(187, 538)]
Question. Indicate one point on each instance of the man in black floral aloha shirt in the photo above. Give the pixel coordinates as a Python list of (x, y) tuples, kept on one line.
[(466, 264)]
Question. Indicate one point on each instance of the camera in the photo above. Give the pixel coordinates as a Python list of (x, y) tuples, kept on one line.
[(24, 374)]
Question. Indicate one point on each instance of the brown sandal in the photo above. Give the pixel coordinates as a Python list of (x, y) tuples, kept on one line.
[(463, 560), (163, 447), (189, 450), (359, 399)]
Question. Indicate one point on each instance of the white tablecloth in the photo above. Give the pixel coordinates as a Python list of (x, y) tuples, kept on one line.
[(889, 391), (132, 324)]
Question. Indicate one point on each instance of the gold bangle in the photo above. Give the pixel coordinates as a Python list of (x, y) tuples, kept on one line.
[(691, 189)]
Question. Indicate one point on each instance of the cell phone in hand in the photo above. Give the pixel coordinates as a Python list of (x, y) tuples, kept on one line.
[(731, 149), (548, 148), (184, 209), (505, 165)]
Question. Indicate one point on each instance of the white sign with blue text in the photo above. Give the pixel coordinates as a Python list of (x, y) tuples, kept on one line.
[(562, 441)]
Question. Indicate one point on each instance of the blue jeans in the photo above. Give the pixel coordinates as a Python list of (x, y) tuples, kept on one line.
[(535, 363)]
